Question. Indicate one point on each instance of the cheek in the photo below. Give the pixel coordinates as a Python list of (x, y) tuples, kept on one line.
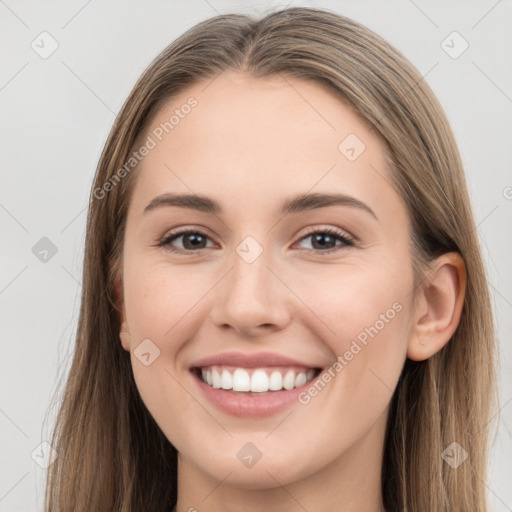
[(366, 312), (160, 299), (349, 299), (160, 306)]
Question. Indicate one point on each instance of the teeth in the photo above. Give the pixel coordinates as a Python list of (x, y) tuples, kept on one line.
[(275, 381), (226, 380), (258, 380), (289, 380), (216, 379), (300, 380), (241, 380)]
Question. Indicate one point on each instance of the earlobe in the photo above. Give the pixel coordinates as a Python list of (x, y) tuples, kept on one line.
[(124, 336), (439, 307)]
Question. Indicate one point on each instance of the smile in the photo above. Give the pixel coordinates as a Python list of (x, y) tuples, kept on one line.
[(253, 385), (256, 380)]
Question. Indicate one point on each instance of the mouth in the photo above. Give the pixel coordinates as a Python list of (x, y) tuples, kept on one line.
[(255, 381), (253, 385)]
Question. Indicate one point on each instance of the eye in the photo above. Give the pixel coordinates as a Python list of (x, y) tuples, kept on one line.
[(324, 240), (192, 239)]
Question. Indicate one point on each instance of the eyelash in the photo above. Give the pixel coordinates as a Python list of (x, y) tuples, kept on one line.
[(347, 241)]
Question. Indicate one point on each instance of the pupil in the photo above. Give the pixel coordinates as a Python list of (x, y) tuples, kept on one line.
[(317, 239), (194, 238)]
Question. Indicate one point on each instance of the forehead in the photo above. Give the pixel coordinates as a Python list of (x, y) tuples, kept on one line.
[(260, 137)]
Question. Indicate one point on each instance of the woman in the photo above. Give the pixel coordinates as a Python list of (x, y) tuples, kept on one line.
[(221, 363)]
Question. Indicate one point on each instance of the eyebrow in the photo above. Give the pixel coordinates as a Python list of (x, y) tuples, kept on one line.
[(297, 204)]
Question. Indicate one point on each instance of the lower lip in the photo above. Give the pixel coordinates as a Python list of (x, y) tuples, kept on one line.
[(250, 406)]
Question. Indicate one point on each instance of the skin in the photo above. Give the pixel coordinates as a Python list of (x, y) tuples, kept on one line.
[(250, 144)]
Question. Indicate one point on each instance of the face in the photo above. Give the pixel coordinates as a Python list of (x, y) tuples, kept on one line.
[(313, 300)]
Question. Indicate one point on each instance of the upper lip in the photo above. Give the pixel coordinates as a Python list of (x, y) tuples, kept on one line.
[(257, 360)]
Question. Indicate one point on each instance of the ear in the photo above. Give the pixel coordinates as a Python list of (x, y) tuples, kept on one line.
[(438, 307), (124, 333)]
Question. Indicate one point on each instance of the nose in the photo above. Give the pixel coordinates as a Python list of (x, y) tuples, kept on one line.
[(252, 299)]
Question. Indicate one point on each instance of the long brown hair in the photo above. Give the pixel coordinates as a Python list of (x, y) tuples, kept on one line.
[(111, 454)]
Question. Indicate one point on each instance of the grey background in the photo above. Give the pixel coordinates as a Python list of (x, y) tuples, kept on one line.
[(56, 114)]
